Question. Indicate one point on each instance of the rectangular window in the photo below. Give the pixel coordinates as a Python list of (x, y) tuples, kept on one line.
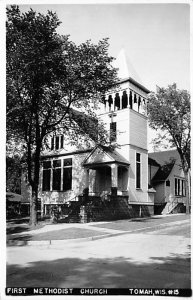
[(167, 183), (54, 170), (180, 188), (52, 143), (176, 186), (57, 163), (67, 162), (67, 174), (57, 142), (183, 187), (113, 131), (138, 170), (46, 175), (61, 142), (67, 179), (56, 175)]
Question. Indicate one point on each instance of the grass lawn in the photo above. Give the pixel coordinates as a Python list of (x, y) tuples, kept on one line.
[(62, 234)]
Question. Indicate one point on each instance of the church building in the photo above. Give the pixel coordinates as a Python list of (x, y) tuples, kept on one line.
[(103, 183)]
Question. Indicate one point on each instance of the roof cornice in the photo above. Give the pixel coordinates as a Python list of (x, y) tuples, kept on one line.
[(140, 86)]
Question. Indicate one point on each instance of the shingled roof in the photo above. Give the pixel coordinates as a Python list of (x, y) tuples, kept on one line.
[(166, 160), (102, 155), (164, 157), (163, 173), (152, 162)]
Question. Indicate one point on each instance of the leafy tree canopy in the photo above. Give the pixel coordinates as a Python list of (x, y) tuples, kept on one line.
[(169, 110), (47, 74), (13, 174), (50, 78)]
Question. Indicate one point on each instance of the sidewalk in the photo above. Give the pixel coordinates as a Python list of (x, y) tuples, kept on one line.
[(62, 233)]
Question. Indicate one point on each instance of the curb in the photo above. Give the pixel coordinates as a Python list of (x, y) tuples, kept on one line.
[(56, 242), (60, 242), (93, 238)]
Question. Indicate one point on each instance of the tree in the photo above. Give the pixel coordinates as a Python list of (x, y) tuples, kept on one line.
[(49, 80), (169, 110), (13, 174)]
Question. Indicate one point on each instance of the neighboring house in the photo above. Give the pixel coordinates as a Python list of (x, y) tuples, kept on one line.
[(114, 178), (16, 205), (167, 178), (13, 204)]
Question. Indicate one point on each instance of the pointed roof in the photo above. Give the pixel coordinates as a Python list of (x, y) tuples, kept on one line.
[(153, 162), (163, 173), (164, 157), (102, 155), (125, 67), (126, 71)]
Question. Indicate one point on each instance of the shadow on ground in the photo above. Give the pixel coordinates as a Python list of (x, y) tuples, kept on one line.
[(67, 234), (18, 221), (120, 272), (141, 223), (17, 229)]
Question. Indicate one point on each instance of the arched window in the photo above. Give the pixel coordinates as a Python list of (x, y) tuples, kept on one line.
[(110, 100), (117, 100), (124, 100), (130, 100), (103, 100), (139, 102)]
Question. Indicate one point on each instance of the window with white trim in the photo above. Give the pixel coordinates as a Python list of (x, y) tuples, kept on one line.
[(138, 170), (57, 175), (46, 175), (180, 187), (113, 132), (56, 180), (67, 174), (57, 142)]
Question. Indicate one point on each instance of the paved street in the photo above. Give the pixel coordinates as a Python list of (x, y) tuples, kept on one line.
[(146, 256)]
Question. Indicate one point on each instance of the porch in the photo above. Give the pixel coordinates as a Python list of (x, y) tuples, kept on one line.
[(106, 173)]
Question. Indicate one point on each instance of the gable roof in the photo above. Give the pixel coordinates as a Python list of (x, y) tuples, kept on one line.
[(152, 162), (102, 155), (166, 160), (164, 157), (163, 173)]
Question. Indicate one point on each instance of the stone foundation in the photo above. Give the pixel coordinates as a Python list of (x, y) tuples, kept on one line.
[(115, 209), (95, 209)]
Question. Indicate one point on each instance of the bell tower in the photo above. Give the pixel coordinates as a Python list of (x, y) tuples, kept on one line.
[(124, 112)]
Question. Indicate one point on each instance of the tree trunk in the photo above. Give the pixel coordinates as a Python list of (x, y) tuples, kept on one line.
[(186, 169), (33, 207), (187, 184), (35, 185)]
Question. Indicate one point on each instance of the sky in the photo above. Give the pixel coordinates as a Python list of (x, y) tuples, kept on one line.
[(155, 37)]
